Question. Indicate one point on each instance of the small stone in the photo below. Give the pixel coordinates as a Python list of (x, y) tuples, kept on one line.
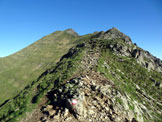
[(113, 116), (44, 118), (106, 118), (52, 112), (91, 112), (111, 112), (49, 107), (67, 119), (66, 112), (56, 116), (90, 120)]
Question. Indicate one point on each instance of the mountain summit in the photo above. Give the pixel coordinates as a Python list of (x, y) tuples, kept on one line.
[(21, 68), (111, 34), (103, 78), (72, 32)]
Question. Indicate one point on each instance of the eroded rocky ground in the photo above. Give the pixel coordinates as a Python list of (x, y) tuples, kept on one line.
[(97, 101)]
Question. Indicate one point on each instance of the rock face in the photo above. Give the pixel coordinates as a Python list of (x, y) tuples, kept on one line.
[(113, 34), (127, 48), (147, 60)]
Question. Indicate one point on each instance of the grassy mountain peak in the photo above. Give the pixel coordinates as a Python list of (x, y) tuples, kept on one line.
[(21, 68), (71, 32)]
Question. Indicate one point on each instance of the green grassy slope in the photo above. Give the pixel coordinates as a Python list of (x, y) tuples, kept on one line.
[(23, 67), (34, 92), (135, 81)]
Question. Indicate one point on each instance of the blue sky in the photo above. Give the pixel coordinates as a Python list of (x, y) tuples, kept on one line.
[(22, 22)]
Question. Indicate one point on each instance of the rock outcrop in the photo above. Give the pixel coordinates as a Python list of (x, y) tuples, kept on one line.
[(114, 33), (147, 60), (97, 101), (125, 47)]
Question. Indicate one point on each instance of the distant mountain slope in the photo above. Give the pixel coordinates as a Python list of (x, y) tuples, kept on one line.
[(104, 78), (21, 68)]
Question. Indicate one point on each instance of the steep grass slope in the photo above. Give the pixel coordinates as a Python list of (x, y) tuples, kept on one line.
[(21, 68)]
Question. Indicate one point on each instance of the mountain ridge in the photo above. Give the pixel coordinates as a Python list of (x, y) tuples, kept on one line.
[(106, 73)]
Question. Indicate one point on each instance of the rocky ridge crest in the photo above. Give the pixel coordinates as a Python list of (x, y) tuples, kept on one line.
[(129, 49)]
